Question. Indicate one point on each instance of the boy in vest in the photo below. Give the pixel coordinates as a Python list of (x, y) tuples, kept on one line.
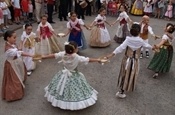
[(145, 30)]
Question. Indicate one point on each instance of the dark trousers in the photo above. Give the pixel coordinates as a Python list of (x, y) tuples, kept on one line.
[(79, 11), (62, 11), (88, 9), (98, 4), (69, 6), (12, 12), (50, 12)]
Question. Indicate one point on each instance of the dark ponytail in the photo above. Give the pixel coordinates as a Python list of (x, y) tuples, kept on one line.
[(70, 47)]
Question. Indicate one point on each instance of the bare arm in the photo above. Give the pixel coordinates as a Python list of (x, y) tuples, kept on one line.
[(94, 60), (68, 32), (48, 56), (26, 54), (161, 43), (108, 23)]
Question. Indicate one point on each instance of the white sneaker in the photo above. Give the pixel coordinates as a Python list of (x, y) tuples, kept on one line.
[(119, 95), (29, 73), (155, 75)]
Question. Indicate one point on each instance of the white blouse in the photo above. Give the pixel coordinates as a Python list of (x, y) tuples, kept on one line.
[(133, 42), (25, 35), (71, 61), (123, 15), (80, 21), (99, 17), (165, 37), (12, 52)]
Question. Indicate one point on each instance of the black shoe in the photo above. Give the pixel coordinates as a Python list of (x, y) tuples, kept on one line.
[(147, 54), (61, 19), (38, 22)]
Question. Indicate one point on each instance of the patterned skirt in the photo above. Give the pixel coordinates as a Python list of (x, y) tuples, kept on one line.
[(70, 93), (162, 60), (99, 37)]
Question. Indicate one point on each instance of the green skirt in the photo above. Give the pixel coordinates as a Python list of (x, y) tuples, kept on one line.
[(70, 92), (162, 60)]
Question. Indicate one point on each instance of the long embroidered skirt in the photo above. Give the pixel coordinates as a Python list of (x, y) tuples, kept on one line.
[(70, 93), (121, 33), (99, 37), (128, 74), (12, 88), (49, 45), (162, 60), (79, 38)]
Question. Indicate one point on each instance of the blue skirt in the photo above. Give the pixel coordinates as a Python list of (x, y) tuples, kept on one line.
[(79, 39)]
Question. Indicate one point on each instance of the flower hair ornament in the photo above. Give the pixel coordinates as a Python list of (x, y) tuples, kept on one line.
[(67, 43)]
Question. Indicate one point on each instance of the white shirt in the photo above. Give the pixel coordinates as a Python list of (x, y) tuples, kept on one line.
[(80, 21), (16, 3), (4, 5), (71, 61), (133, 42), (47, 24), (25, 35)]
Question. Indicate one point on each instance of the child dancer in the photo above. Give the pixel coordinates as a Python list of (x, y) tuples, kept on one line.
[(28, 45), (148, 8), (46, 33), (13, 79), (162, 60), (169, 12), (99, 34), (69, 88), (75, 32), (145, 29), (130, 64), (123, 28)]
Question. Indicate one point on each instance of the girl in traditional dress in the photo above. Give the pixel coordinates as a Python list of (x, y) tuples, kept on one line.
[(148, 8), (28, 45), (14, 69), (137, 8), (99, 35), (130, 64), (48, 37), (162, 60), (123, 28), (169, 12), (75, 32), (69, 89)]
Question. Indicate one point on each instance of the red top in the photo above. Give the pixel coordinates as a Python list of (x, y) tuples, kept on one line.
[(50, 1), (74, 31), (45, 32), (24, 4)]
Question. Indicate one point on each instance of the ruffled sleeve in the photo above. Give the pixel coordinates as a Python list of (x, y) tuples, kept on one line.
[(68, 25), (80, 21), (50, 27), (165, 37), (59, 55), (13, 52), (83, 59), (121, 47)]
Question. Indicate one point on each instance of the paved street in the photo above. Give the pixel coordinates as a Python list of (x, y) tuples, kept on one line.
[(151, 97)]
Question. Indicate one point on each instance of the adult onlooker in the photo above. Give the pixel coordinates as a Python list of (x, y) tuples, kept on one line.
[(88, 8), (17, 10), (50, 5), (25, 9), (79, 9), (159, 7), (38, 7), (173, 3), (10, 12), (63, 6)]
